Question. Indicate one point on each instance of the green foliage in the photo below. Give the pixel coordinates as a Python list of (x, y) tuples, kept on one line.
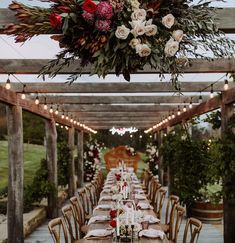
[(40, 187), (190, 164), (211, 193)]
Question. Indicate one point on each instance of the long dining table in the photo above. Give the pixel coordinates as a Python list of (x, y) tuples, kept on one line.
[(104, 196)]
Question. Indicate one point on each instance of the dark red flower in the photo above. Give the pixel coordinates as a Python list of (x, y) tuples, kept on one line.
[(125, 183), (55, 20), (89, 6), (113, 223), (64, 9), (113, 213)]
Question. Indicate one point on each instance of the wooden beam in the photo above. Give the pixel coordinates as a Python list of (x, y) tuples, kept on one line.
[(33, 66), (15, 175), (108, 126), (61, 99), (124, 118), (51, 155), (121, 88), (126, 108), (225, 16), (79, 164), (71, 167)]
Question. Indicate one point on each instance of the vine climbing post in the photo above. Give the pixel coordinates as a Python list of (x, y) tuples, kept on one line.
[(15, 175), (79, 165), (227, 111), (51, 156)]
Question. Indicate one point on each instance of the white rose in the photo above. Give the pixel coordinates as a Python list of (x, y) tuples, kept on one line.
[(150, 30), (171, 47), (134, 4), (139, 14), (168, 21), (122, 32), (178, 35), (138, 28), (143, 50), (134, 42)]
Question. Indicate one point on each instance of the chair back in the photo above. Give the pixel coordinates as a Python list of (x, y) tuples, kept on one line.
[(177, 215), (71, 222), (173, 200), (158, 201), (78, 210), (57, 228), (192, 230)]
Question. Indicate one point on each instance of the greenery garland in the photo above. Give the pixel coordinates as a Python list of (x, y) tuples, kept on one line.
[(124, 35)]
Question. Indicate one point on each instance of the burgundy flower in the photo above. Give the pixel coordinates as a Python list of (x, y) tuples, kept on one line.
[(113, 223), (104, 10), (113, 213), (88, 17), (89, 6), (55, 20), (102, 25)]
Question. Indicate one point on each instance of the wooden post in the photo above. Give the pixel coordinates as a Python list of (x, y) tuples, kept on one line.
[(229, 208), (51, 155), (72, 183), (80, 170), (160, 169), (15, 175)]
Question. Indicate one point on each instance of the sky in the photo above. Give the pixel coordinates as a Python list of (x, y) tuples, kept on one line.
[(42, 47)]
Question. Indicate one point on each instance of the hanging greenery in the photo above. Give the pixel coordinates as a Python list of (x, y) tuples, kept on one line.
[(124, 36)]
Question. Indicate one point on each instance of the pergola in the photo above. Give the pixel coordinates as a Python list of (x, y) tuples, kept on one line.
[(103, 110)]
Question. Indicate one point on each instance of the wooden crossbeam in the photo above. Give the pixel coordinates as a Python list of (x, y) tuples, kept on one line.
[(117, 119), (121, 88), (33, 66), (226, 19), (126, 108), (115, 99)]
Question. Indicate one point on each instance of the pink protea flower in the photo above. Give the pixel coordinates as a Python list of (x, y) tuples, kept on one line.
[(104, 10), (103, 25), (88, 17)]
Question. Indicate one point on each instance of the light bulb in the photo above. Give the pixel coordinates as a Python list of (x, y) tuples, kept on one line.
[(56, 112), (45, 106), (8, 84), (23, 96), (36, 100), (140, 136), (212, 92), (200, 99), (67, 118), (169, 117), (71, 120), (178, 112), (184, 109), (226, 84), (62, 116), (74, 122), (173, 116), (51, 110)]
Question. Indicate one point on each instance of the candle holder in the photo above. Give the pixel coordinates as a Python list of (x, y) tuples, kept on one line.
[(132, 232), (127, 236)]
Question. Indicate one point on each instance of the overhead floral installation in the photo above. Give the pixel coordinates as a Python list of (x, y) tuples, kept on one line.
[(124, 36)]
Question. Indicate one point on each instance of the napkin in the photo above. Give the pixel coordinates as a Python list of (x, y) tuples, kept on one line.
[(106, 198), (98, 233), (152, 233), (140, 197), (98, 218), (144, 205), (137, 186), (103, 206), (151, 219), (107, 186), (106, 190)]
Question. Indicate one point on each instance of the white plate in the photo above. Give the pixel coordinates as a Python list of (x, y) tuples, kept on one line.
[(98, 233), (152, 233)]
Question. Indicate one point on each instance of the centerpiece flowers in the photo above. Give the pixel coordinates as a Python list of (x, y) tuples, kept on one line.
[(124, 36)]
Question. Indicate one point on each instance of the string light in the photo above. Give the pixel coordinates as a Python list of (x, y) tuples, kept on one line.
[(8, 83), (45, 104), (184, 109), (173, 115), (71, 119), (67, 117), (140, 136), (226, 84), (212, 92), (23, 93), (178, 112), (200, 98), (191, 104), (36, 100), (62, 116), (51, 109), (57, 111)]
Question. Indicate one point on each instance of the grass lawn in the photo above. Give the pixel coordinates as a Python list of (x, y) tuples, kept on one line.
[(32, 157)]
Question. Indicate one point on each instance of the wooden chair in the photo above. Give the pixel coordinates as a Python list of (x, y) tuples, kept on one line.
[(71, 223), (55, 226), (158, 201), (193, 226), (79, 215), (172, 201), (178, 213)]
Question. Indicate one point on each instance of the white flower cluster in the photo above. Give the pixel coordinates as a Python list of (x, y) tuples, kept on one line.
[(172, 45)]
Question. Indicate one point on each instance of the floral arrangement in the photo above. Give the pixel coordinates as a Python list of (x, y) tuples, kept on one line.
[(92, 159), (153, 158), (130, 151), (124, 35)]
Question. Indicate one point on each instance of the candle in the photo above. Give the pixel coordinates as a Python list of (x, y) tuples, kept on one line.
[(127, 216), (132, 215), (117, 226)]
